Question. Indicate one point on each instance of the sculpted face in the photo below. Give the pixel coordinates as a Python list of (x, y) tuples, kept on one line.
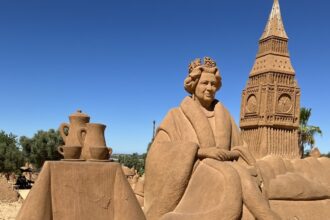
[(206, 89)]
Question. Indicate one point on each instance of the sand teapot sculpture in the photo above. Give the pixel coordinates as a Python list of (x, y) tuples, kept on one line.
[(83, 140), (92, 139), (68, 132), (72, 148)]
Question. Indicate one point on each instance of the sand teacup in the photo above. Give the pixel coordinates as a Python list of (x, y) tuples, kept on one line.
[(100, 153), (70, 152)]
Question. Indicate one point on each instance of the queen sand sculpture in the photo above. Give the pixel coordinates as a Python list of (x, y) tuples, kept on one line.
[(198, 166)]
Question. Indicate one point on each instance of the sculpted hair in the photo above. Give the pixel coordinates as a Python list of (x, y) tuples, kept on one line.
[(196, 70)]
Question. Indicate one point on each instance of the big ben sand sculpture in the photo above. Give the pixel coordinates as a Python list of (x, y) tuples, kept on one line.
[(270, 105)]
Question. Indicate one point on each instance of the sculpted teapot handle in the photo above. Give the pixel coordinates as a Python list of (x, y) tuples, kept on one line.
[(62, 133), (80, 135), (60, 150), (110, 151)]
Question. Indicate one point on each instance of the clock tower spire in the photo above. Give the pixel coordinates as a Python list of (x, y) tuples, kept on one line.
[(270, 105)]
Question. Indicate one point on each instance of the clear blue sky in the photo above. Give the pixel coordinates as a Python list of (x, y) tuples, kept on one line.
[(124, 62)]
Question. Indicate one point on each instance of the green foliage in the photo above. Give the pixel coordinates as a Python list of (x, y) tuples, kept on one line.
[(326, 155), (307, 132), (41, 147), (133, 160), (11, 157)]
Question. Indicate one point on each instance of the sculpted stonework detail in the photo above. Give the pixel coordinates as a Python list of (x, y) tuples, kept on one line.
[(284, 103), (251, 106), (278, 104)]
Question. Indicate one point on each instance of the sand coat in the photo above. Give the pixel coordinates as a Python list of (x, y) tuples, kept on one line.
[(180, 186)]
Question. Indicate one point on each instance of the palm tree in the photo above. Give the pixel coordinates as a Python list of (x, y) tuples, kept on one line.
[(307, 132)]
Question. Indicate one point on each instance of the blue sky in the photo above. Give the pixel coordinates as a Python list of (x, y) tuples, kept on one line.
[(124, 62)]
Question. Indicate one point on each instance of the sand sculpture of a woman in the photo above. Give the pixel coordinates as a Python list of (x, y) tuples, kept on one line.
[(197, 166)]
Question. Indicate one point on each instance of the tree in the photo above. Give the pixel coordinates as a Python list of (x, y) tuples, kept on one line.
[(41, 147), (326, 155), (306, 131), (133, 160), (11, 157)]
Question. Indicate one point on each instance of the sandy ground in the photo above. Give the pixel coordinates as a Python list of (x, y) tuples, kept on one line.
[(9, 200), (8, 211)]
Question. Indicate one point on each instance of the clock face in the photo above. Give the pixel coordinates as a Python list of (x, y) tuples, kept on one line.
[(284, 103), (251, 104)]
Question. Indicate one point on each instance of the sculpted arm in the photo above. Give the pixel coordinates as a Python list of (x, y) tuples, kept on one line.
[(162, 136), (217, 154), (221, 153)]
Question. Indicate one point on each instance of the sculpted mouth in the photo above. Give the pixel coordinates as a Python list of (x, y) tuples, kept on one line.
[(208, 94)]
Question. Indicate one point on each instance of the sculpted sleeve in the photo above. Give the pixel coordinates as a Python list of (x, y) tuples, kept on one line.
[(169, 166)]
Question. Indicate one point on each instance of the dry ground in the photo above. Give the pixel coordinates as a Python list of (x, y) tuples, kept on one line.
[(8, 211), (9, 204)]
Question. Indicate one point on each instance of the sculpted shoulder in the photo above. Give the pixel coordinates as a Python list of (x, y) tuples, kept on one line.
[(223, 108)]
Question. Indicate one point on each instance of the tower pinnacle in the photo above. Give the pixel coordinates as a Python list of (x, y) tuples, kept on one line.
[(273, 54), (274, 25)]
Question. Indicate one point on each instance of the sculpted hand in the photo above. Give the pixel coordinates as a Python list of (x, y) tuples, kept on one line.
[(234, 155), (214, 153)]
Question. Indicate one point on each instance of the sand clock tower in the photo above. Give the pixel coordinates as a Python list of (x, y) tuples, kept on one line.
[(270, 105)]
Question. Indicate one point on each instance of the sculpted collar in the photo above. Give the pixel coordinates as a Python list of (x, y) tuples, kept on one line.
[(200, 123)]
